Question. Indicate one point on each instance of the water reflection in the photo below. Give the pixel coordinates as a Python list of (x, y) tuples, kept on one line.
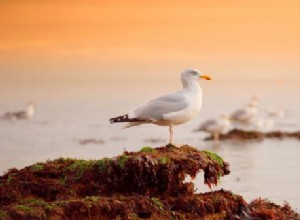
[(267, 169)]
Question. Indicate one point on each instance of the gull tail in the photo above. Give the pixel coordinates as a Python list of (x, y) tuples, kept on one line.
[(124, 118)]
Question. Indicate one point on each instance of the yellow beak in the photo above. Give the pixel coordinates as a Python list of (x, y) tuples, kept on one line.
[(207, 77)]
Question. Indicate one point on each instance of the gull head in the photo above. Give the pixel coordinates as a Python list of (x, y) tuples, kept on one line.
[(30, 109), (193, 74), (254, 101)]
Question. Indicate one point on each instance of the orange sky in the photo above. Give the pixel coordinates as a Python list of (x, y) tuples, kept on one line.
[(72, 37)]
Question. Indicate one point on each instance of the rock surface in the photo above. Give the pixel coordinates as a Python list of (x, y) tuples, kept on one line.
[(148, 184)]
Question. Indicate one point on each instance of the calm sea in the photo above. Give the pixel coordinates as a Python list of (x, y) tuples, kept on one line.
[(66, 114)]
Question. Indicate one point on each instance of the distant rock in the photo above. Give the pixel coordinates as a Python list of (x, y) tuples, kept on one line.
[(90, 141), (237, 134), (154, 140)]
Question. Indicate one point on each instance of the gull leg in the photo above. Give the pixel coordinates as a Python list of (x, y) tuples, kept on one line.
[(216, 137), (171, 134)]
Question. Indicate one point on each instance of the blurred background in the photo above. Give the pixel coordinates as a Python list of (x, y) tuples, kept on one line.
[(82, 62)]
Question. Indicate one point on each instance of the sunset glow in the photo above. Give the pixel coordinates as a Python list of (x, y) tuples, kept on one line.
[(215, 35)]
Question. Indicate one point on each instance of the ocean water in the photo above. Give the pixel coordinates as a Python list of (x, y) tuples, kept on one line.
[(66, 114)]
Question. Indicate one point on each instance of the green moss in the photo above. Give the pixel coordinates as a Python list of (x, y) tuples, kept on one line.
[(170, 146), (235, 196), (33, 201), (63, 179), (37, 167), (147, 149), (214, 156), (156, 201), (103, 163), (3, 214), (36, 202), (77, 164), (24, 208), (61, 203), (122, 161), (80, 166), (91, 198), (164, 160), (10, 177), (62, 160)]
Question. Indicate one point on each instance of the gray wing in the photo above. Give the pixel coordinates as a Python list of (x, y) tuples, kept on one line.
[(156, 108), (20, 114), (206, 124), (238, 114)]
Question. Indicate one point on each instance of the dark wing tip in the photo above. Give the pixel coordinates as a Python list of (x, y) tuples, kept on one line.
[(123, 118)]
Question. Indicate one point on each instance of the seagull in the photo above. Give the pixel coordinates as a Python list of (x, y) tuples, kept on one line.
[(215, 126), (246, 114), (21, 114), (262, 124), (172, 109)]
